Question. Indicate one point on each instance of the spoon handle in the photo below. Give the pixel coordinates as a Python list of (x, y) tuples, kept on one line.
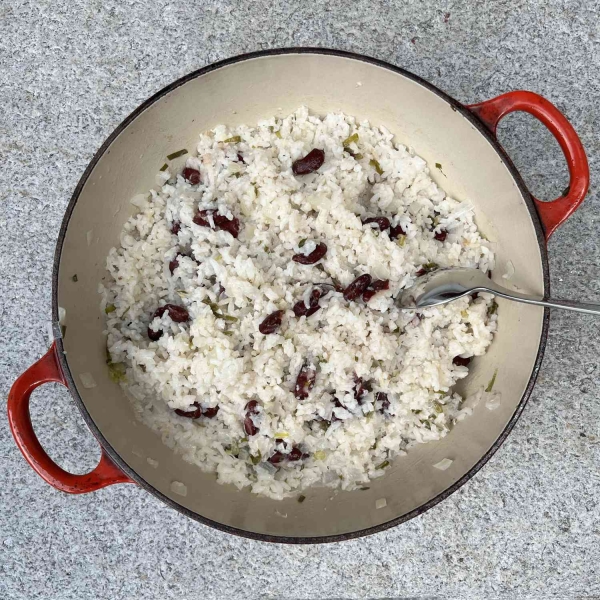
[(584, 307)]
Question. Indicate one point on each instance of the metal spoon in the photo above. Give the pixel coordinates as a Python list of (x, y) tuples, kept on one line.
[(446, 285)]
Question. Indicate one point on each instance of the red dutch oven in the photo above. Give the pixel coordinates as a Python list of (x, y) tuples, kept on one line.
[(243, 90)]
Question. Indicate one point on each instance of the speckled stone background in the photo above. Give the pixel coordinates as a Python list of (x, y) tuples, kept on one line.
[(527, 526)]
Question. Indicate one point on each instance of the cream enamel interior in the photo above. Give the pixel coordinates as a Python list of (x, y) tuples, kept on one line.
[(244, 92)]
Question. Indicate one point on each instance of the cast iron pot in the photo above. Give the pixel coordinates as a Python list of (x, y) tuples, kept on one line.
[(471, 164)]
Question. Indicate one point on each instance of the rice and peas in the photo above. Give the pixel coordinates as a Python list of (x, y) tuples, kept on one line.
[(251, 315)]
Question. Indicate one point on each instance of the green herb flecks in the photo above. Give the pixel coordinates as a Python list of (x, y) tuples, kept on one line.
[(401, 240), (116, 372), (364, 489), (75, 279), (176, 154), (234, 139), (301, 499), (216, 311), (383, 465), (353, 139), (256, 458), (164, 167), (490, 385), (438, 408), (375, 164), (492, 309), (438, 166), (301, 243), (110, 308)]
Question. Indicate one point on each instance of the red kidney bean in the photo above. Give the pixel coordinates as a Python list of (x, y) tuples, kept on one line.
[(396, 231), (173, 264), (357, 287), (249, 427), (210, 413), (310, 163), (385, 403), (361, 389), (251, 409), (376, 286), (305, 381), (421, 272), (190, 414), (220, 221), (230, 225), (276, 458), (441, 235), (300, 309), (178, 314), (175, 227), (191, 175), (475, 295), (315, 256), (383, 222), (201, 217), (459, 361), (272, 322), (295, 454)]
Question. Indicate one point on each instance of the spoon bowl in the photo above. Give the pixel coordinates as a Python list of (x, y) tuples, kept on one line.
[(446, 285)]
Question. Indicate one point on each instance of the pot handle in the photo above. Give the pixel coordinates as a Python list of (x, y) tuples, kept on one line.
[(47, 370), (552, 214)]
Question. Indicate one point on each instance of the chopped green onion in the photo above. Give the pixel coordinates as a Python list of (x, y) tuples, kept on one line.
[(364, 489), (301, 499), (324, 425), (438, 166), (320, 455), (375, 164), (438, 408), (301, 243), (228, 318), (74, 278), (493, 308), (490, 385), (229, 333), (164, 167), (116, 371), (177, 154), (416, 412), (110, 308), (235, 139), (278, 134), (351, 139), (464, 314), (282, 434), (426, 423), (431, 266), (383, 465), (401, 240), (256, 458)]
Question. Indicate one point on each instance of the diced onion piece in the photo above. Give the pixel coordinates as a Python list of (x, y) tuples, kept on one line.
[(381, 503), (87, 380), (510, 271), (179, 488), (443, 464)]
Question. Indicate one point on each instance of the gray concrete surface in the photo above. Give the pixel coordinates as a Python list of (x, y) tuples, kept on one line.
[(527, 526)]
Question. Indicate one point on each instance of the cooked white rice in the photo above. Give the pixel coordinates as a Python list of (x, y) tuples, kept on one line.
[(214, 361)]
